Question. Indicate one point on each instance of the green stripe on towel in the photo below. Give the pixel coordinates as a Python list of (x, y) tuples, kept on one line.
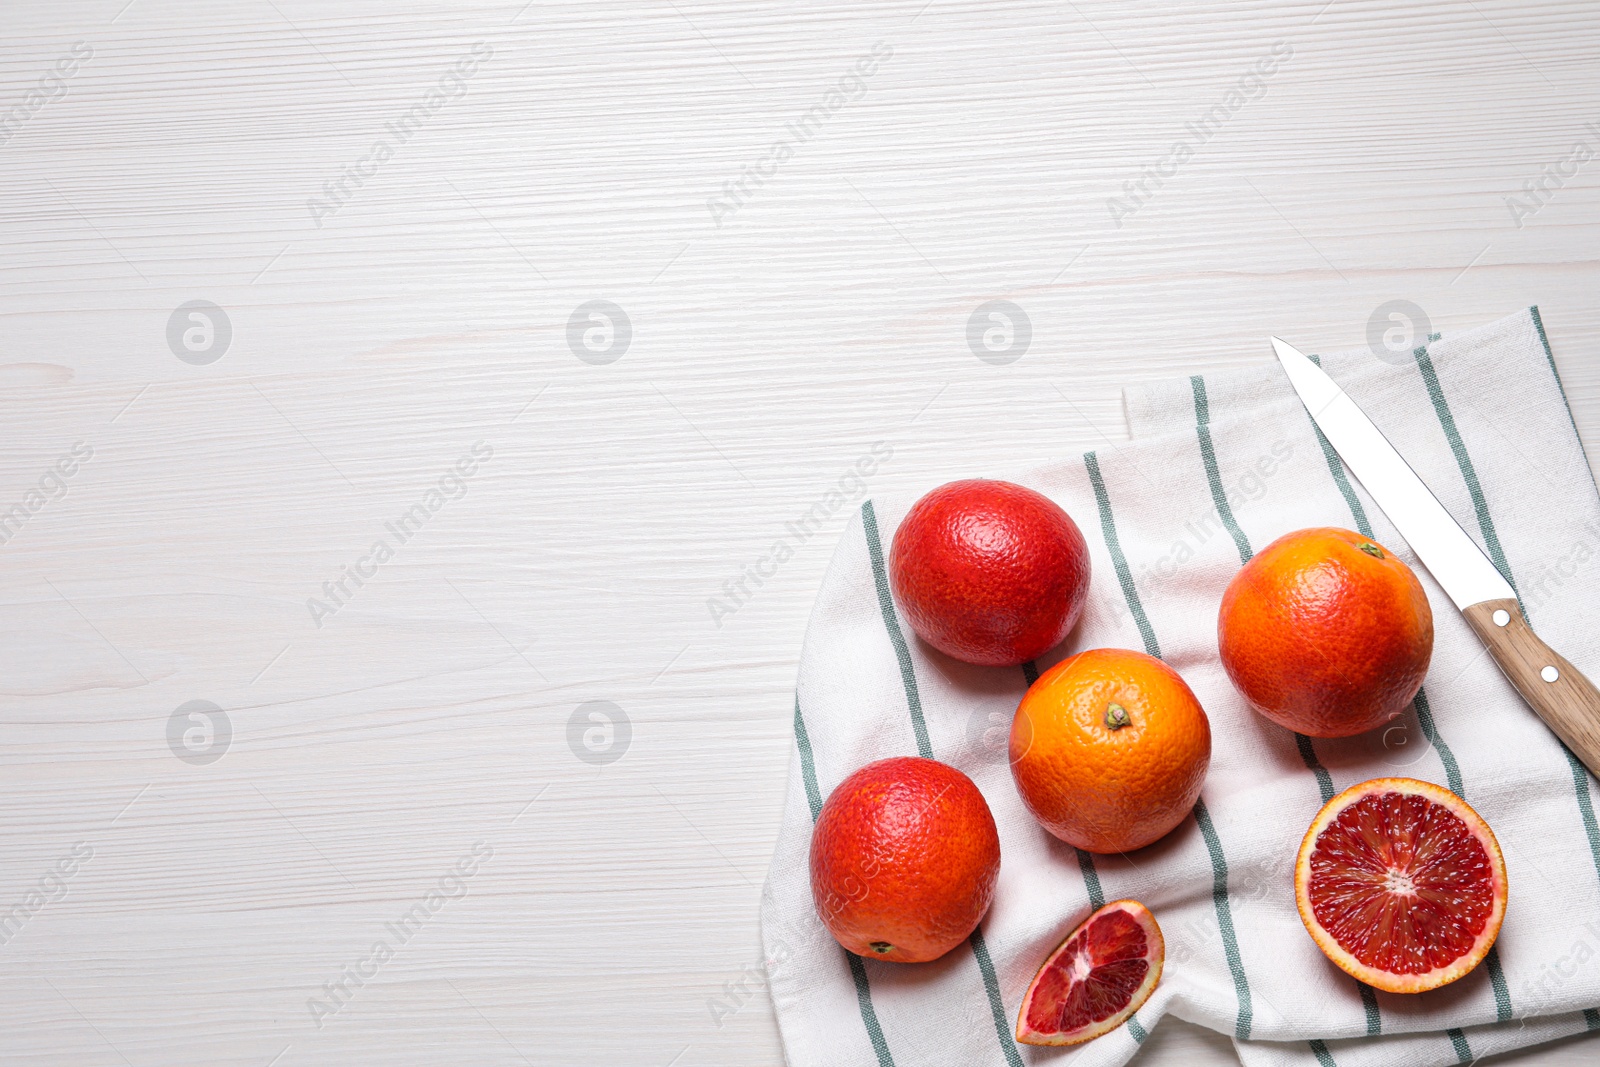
[(1336, 468), (1219, 863), (1369, 1004), (1452, 771), (997, 1007), (908, 678), (1108, 529), (1550, 357), (858, 971), (1202, 422), (808, 765), (1580, 777), (1469, 473), (1091, 879), (1430, 730), (1219, 899), (1491, 539), (1308, 756), (1219, 497)]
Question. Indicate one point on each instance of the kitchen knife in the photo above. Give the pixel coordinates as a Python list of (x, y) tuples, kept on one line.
[(1567, 701)]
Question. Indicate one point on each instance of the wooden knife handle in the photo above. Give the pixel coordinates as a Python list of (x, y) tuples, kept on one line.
[(1567, 701)]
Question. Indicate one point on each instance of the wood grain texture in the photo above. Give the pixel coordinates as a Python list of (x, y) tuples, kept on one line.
[(375, 345), (1564, 698)]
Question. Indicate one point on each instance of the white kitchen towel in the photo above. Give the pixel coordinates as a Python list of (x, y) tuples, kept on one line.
[(1221, 466)]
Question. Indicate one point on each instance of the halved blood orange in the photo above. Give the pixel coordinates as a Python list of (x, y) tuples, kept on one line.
[(1401, 884), (1094, 980)]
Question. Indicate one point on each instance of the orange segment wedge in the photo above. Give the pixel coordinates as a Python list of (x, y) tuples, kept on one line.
[(1095, 979)]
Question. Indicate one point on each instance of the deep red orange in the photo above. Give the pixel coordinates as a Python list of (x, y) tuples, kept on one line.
[(904, 859), (989, 572)]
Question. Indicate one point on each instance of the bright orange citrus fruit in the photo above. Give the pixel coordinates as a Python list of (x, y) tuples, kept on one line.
[(1095, 979), (1109, 749), (904, 859), (1401, 884), (1326, 632)]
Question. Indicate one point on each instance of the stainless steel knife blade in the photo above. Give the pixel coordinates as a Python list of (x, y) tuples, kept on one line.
[(1451, 556)]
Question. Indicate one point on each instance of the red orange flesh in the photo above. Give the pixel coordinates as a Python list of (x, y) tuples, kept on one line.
[(1401, 884), (1095, 979)]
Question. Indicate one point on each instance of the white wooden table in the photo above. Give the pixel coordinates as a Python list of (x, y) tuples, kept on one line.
[(397, 211)]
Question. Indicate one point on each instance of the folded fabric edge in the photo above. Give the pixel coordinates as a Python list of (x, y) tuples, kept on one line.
[(1454, 1045), (1141, 400)]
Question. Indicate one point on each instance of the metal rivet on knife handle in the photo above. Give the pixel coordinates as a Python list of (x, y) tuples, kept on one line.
[(1567, 701)]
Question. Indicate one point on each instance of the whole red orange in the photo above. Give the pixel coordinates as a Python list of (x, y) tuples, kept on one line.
[(989, 572), (1326, 632), (904, 860)]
